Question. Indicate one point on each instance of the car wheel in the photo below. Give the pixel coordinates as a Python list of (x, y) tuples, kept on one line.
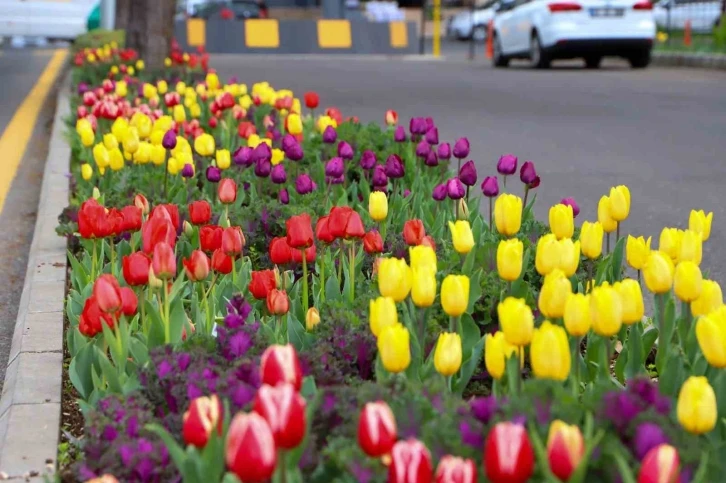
[(537, 55), (593, 62), (640, 60), (479, 33), (499, 59)]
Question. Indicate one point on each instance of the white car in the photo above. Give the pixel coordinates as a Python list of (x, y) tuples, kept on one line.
[(545, 30), (673, 14), (45, 18), (465, 24)]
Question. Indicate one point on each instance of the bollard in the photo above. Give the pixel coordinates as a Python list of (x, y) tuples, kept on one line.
[(687, 34), (490, 39)]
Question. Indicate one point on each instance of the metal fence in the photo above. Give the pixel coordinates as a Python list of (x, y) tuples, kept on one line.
[(676, 15)]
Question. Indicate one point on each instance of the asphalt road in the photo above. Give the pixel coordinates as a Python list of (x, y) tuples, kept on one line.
[(660, 131)]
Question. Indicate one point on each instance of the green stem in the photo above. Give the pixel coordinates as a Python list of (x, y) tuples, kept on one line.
[(384, 229), (608, 242), (93, 260), (322, 281), (351, 272), (589, 276), (282, 468), (626, 475), (207, 312), (606, 362), (526, 194), (617, 232), (576, 362), (685, 326), (422, 330), (166, 175), (341, 262), (167, 322), (214, 279), (520, 356), (305, 283), (113, 256), (234, 272), (142, 294)]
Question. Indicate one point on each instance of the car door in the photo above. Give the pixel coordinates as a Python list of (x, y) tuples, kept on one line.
[(503, 23), (523, 12), (13, 18)]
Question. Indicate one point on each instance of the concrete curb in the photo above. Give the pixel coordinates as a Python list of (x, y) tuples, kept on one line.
[(31, 397), (688, 59)]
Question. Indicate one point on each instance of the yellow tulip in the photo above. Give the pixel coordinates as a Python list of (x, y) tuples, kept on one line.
[(547, 257), (253, 140), (670, 242), (696, 407), (604, 215), (87, 138), (516, 321), (710, 299), (324, 122), (636, 251), (700, 222), (631, 300), (509, 259), (83, 124), (658, 272), (212, 81), (204, 144), (278, 156), (142, 122), (312, 318), (162, 87), (394, 348), (116, 159), (455, 294), (462, 236), (121, 88), (296, 107), (110, 141), (394, 279), (195, 110), (562, 221), (131, 71), (549, 354), (496, 352), (158, 155), (179, 113), (223, 159), (447, 358), (182, 146), (157, 136), (131, 141), (120, 129), (294, 124), (711, 335), (687, 281), (508, 214), (378, 205), (100, 155), (86, 171), (691, 247), (606, 311), (555, 289), (569, 256), (245, 101), (173, 166), (423, 257), (577, 314), (423, 288), (591, 239), (140, 65), (619, 202)]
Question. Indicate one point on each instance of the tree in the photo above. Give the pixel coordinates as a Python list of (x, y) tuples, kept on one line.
[(149, 27)]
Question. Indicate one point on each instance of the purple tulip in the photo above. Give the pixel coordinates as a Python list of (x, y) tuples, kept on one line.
[(423, 149), (284, 196), (304, 184), (455, 189), (461, 148), (507, 164), (490, 186), (527, 173), (82, 88), (187, 171), (571, 202), (467, 173), (399, 135), (214, 174), (647, 436), (330, 135), (394, 167), (243, 156), (262, 152), (444, 151), (263, 167), (484, 408), (335, 168), (334, 179), (368, 159), (278, 174), (429, 123), (440, 192), (417, 126), (345, 150), (295, 153), (287, 141), (406, 193), (169, 139), (432, 136), (431, 159), (276, 134), (380, 178)]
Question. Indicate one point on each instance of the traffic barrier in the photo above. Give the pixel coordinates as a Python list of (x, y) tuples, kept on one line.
[(297, 36)]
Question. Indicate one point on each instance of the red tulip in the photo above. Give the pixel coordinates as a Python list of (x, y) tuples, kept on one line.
[(262, 282), (210, 237), (322, 230), (159, 228), (413, 232), (565, 448), (202, 417), (299, 231), (284, 410), (277, 302), (200, 212), (372, 242), (172, 210), (91, 318), (141, 203), (660, 465), (196, 266), (107, 293), (344, 222), (310, 255), (246, 129), (428, 241), (227, 191), (279, 363), (93, 221), (129, 302), (221, 262), (508, 456), (334, 112), (280, 252), (410, 463), (131, 218), (453, 469), (376, 429), (136, 268), (114, 221), (250, 450), (232, 241), (312, 100), (164, 261), (391, 117)]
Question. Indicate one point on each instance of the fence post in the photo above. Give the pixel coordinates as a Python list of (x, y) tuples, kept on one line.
[(422, 38)]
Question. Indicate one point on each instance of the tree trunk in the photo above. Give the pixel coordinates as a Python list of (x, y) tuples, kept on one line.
[(122, 14), (149, 28)]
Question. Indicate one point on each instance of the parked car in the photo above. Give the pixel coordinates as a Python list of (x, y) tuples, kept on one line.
[(51, 19), (465, 24), (704, 15), (545, 30), (242, 9)]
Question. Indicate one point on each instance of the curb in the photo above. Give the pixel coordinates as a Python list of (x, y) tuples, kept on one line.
[(31, 397), (687, 59)]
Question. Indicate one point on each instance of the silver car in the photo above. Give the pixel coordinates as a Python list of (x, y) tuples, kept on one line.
[(466, 24)]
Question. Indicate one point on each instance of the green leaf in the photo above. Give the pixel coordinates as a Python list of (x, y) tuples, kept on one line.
[(475, 290), (109, 373), (178, 319), (595, 351), (636, 358), (469, 366), (649, 337), (616, 265), (470, 333), (296, 333), (80, 370), (332, 286), (176, 452)]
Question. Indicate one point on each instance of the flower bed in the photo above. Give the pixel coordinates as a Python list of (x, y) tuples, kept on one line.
[(260, 291)]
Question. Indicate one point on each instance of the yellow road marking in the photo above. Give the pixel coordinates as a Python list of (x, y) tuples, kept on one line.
[(18, 132)]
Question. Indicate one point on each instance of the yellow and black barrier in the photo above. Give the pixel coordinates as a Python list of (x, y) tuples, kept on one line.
[(297, 36)]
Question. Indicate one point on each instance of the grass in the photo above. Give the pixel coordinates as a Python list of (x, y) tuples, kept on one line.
[(99, 38), (714, 42)]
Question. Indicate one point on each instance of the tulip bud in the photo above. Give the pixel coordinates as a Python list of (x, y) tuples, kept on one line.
[(196, 266), (376, 429), (636, 251), (660, 464), (555, 290), (394, 279), (569, 256), (107, 293), (312, 318), (508, 214), (547, 257), (508, 455), (463, 213), (423, 289), (565, 449), (164, 261), (410, 462), (394, 348), (509, 259), (606, 311), (447, 355), (687, 281), (700, 222), (453, 469), (496, 352), (455, 189), (516, 321), (227, 191), (233, 241), (462, 236), (670, 242), (95, 194), (284, 410), (591, 239), (711, 335), (455, 294), (631, 299), (467, 173), (604, 215), (373, 243), (461, 148), (691, 248), (378, 206), (490, 186), (696, 409), (250, 451), (141, 203), (658, 272), (549, 353), (562, 221), (382, 314), (710, 299), (277, 302), (203, 416), (444, 151), (153, 281), (279, 363)]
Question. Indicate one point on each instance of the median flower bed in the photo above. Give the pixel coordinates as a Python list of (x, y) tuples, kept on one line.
[(264, 289)]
